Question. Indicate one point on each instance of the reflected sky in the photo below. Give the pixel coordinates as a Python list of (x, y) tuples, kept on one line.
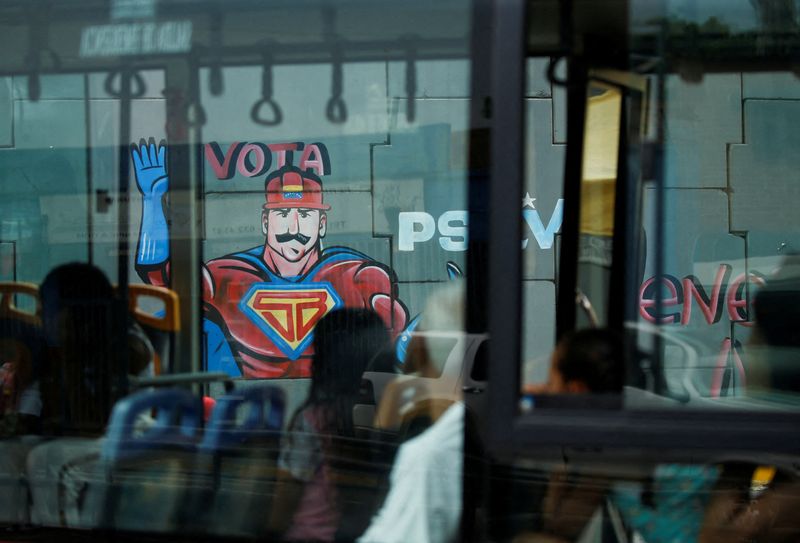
[(738, 14)]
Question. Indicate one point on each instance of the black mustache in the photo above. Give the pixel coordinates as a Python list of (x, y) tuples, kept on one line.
[(283, 238)]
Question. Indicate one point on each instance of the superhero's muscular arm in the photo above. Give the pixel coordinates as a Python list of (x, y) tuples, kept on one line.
[(152, 253), (378, 287)]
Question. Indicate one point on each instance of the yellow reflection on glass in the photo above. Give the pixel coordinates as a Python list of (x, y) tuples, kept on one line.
[(600, 154), (598, 189)]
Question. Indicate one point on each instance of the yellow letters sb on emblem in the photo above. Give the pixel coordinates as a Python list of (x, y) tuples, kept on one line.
[(291, 314)]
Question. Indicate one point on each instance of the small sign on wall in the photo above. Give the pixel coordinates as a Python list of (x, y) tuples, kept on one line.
[(168, 37)]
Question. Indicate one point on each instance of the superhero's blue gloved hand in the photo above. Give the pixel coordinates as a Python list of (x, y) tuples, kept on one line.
[(150, 166)]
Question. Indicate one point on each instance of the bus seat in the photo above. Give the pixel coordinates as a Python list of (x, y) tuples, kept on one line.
[(145, 468), (239, 452), (9, 291), (161, 325), (264, 414), (125, 439)]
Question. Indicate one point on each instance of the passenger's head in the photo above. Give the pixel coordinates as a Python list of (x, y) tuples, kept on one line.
[(587, 361), (69, 294), (345, 342)]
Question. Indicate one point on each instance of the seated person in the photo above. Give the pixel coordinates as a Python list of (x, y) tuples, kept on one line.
[(307, 505), (84, 370), (424, 500), (665, 507), (20, 401), (411, 404), (588, 361)]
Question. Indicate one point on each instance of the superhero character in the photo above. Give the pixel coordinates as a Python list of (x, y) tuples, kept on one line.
[(261, 305)]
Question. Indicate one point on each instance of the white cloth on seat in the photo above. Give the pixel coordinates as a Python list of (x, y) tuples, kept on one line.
[(13, 482), (57, 494), (424, 501)]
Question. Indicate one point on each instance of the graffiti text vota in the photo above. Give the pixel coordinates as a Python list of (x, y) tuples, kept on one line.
[(451, 226), (254, 159)]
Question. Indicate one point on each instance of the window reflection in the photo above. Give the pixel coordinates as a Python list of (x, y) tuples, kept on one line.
[(598, 190)]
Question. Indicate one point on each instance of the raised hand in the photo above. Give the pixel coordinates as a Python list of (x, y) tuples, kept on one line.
[(150, 166)]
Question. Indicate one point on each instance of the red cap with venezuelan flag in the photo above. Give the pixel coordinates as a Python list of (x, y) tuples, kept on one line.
[(292, 187)]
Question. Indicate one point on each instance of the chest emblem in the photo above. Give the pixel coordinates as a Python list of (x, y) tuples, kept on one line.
[(287, 313)]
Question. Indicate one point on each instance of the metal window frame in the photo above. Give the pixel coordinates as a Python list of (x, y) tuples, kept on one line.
[(696, 434)]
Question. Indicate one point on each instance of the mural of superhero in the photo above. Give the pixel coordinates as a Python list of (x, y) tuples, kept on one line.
[(261, 304)]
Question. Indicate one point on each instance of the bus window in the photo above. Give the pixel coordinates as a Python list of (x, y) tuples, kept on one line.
[(542, 211), (255, 205), (668, 240), (676, 241)]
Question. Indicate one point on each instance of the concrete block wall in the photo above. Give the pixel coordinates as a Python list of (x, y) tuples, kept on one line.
[(731, 175), (732, 184)]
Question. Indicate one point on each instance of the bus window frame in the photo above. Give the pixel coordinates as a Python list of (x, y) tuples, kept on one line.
[(696, 433)]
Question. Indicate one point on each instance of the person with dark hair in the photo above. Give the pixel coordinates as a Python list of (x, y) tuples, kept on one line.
[(306, 505), (90, 350), (424, 500), (589, 360), (81, 328), (663, 507)]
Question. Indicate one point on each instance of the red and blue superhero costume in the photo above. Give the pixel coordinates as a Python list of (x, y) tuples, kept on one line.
[(257, 310), (253, 315)]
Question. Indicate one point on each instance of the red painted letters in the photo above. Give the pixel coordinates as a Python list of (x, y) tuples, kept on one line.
[(255, 159)]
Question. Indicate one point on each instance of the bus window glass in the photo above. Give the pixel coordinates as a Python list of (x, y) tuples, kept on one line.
[(542, 212), (263, 209), (598, 183), (729, 282), (714, 280), (707, 308)]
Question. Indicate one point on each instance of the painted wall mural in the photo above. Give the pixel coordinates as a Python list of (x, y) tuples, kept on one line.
[(261, 303), (720, 299), (726, 296), (416, 227)]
